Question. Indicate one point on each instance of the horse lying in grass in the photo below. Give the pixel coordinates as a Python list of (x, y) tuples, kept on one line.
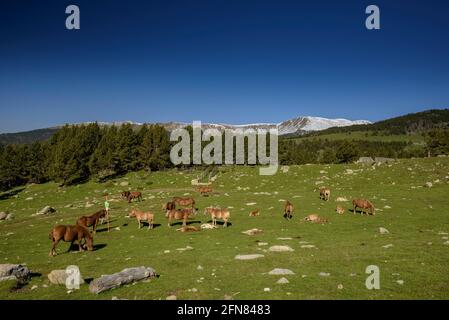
[(180, 214), (143, 216), (217, 213), (92, 220), (314, 218), (70, 234), (288, 210), (363, 204)]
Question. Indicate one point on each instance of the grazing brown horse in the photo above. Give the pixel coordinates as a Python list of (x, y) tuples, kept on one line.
[(92, 220), (179, 214), (217, 213), (363, 204), (70, 234), (254, 213), (143, 216), (325, 194), (134, 195), (184, 201), (204, 190), (288, 210)]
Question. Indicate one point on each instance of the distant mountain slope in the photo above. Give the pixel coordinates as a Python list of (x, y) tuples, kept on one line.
[(27, 136), (408, 124)]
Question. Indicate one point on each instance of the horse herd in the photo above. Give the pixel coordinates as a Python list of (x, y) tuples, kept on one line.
[(80, 231)]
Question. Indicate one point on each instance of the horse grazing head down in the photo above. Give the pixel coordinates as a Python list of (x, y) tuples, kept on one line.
[(90, 243)]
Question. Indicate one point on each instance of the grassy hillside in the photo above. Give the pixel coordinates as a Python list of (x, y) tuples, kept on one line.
[(366, 136), (412, 258)]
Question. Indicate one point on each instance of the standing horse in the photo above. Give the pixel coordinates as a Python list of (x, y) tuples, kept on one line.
[(184, 201), (125, 195), (288, 210), (92, 220), (217, 213), (134, 195), (179, 214), (70, 234), (143, 216), (363, 204)]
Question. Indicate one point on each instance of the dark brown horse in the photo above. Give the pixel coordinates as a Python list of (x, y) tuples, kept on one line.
[(70, 234), (171, 205), (184, 201), (92, 220), (125, 195), (134, 195)]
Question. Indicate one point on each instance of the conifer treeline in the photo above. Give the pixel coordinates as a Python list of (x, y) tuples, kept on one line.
[(78, 153)]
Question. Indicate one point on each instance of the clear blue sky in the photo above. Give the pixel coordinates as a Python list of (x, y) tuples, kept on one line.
[(233, 61)]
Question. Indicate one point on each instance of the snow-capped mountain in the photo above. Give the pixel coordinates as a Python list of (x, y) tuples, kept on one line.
[(293, 126), (297, 125)]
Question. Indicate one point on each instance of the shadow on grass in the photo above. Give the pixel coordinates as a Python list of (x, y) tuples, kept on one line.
[(9, 194), (221, 223), (179, 223)]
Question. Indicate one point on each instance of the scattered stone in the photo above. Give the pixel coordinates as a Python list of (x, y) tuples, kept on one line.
[(3, 215), (13, 272), (166, 251), (199, 268), (60, 277), (282, 281), (340, 287), (324, 274), (429, 184), (341, 199), (29, 198), (401, 282), (171, 297), (266, 289), (279, 271), (287, 238), (307, 246), (252, 232), (46, 210), (383, 230), (34, 287), (387, 246), (126, 276), (262, 243), (248, 256), (251, 203), (124, 184), (280, 249)]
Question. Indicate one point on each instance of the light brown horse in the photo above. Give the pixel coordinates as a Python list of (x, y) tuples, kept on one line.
[(134, 195), (189, 201), (143, 216), (363, 204), (217, 213), (288, 210), (179, 214), (92, 220), (70, 234)]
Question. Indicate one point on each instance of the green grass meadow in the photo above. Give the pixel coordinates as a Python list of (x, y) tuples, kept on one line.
[(413, 265)]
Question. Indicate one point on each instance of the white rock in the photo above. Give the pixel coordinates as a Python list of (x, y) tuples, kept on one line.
[(248, 256), (279, 271), (383, 230), (280, 249), (171, 297), (282, 281)]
